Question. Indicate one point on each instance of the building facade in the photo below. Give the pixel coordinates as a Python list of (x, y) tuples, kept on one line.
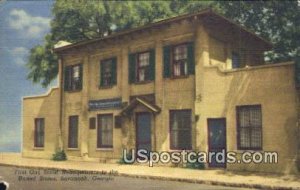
[(194, 82)]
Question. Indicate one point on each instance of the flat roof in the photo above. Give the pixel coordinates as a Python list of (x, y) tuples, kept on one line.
[(205, 12)]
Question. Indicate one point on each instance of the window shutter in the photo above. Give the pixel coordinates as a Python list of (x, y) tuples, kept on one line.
[(67, 74), (167, 61), (152, 65), (101, 73), (80, 76), (131, 67), (114, 71), (191, 58)]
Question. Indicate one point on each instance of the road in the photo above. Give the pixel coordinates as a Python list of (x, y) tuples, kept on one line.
[(35, 179)]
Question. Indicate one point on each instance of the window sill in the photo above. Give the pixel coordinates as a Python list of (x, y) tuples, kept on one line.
[(106, 87), (72, 91), (179, 77), (104, 149), (73, 149), (38, 148), (142, 82)]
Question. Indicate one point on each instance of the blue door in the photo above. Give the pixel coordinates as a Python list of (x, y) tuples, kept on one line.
[(217, 142), (143, 131)]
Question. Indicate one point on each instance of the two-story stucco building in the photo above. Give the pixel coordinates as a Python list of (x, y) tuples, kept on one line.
[(193, 82)]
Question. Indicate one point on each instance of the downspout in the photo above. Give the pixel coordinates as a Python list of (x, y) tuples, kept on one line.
[(60, 141)]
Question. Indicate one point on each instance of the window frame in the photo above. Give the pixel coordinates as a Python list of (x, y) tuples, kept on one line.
[(172, 57), (250, 128), (172, 147), (108, 63), (239, 58), (138, 67), (36, 143), (71, 79), (99, 144), (77, 132)]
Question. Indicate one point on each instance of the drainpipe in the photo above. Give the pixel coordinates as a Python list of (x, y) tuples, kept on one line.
[(60, 78)]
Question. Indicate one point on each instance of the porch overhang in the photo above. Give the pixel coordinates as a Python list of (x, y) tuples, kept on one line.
[(139, 101)]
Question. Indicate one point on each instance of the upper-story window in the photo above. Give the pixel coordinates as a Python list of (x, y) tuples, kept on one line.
[(179, 66), (73, 77), (141, 66), (108, 72), (236, 60), (179, 60)]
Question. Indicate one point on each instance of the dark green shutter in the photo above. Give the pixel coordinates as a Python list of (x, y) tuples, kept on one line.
[(152, 65), (101, 73), (191, 58), (131, 67), (80, 76), (67, 74), (167, 61), (114, 71)]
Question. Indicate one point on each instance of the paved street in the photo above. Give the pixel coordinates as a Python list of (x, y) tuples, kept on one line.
[(35, 179)]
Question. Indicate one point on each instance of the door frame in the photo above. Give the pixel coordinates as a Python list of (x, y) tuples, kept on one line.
[(208, 135), (136, 128)]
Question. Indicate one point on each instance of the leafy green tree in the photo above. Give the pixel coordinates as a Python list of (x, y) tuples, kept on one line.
[(82, 20)]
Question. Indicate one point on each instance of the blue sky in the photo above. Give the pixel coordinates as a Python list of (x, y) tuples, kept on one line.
[(23, 25)]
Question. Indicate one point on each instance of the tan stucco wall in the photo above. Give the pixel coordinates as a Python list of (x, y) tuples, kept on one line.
[(270, 86), (41, 107)]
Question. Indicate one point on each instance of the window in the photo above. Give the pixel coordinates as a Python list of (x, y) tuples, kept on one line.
[(249, 127), (105, 131), (236, 60), (179, 60), (141, 66), (73, 77), (39, 132), (179, 66), (180, 130), (143, 63), (73, 132), (108, 72)]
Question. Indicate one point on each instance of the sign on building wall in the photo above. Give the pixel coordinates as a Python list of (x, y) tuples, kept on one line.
[(105, 104)]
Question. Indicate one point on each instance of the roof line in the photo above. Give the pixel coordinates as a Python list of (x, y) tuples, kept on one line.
[(154, 24)]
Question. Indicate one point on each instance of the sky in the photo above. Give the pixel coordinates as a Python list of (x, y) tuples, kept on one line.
[(23, 25)]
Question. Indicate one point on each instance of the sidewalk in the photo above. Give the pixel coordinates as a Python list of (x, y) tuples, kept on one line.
[(209, 177)]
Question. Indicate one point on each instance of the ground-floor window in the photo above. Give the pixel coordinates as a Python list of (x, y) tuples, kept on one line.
[(39, 132), (249, 127), (105, 131), (73, 132), (180, 129)]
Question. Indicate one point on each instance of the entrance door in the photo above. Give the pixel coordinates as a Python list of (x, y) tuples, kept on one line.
[(143, 131), (217, 142)]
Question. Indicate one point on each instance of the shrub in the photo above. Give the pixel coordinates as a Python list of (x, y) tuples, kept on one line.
[(196, 165), (59, 155)]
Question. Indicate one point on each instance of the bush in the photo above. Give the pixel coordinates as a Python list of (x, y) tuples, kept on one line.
[(59, 155), (196, 165)]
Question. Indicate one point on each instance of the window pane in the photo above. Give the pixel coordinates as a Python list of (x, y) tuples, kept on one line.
[(39, 132), (250, 127), (73, 132), (105, 131), (180, 129), (244, 137)]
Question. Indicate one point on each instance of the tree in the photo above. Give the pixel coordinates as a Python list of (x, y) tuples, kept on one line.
[(84, 19)]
